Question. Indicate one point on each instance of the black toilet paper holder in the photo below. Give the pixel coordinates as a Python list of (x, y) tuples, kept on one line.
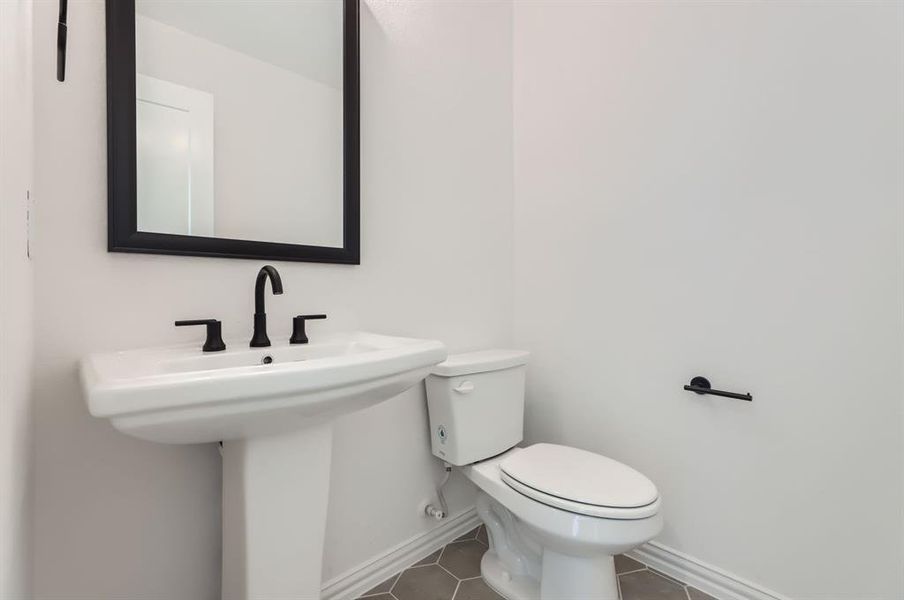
[(701, 385)]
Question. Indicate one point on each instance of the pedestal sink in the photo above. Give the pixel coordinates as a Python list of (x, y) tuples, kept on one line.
[(273, 410)]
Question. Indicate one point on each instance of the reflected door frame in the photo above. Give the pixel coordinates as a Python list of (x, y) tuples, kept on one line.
[(197, 107)]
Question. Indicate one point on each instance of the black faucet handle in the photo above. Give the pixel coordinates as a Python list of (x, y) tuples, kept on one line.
[(298, 333), (214, 341)]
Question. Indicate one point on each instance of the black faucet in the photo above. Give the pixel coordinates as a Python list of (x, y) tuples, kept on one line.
[(260, 339)]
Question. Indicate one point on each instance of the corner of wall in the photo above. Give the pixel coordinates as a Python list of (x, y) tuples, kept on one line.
[(16, 295)]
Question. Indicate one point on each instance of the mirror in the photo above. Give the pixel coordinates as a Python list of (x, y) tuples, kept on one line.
[(233, 128)]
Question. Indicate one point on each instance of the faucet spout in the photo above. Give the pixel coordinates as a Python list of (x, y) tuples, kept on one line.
[(275, 282), (260, 338)]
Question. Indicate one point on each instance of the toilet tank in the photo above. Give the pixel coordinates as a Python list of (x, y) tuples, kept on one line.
[(476, 405)]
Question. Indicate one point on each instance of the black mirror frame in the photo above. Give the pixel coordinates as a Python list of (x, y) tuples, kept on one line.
[(122, 232)]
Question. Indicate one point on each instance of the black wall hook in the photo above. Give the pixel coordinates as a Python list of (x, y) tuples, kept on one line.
[(61, 40), (701, 385)]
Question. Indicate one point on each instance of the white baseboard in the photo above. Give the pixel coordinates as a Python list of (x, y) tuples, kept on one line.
[(705, 577), (358, 580)]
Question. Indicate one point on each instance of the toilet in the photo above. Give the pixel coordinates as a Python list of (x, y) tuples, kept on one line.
[(556, 515)]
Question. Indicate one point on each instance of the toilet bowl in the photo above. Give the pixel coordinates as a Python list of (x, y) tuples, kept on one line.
[(542, 551), (556, 515)]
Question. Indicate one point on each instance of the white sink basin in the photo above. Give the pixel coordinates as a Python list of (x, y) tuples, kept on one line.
[(273, 409), (180, 394)]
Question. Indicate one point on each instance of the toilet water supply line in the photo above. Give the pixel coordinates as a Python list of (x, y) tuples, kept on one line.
[(443, 511)]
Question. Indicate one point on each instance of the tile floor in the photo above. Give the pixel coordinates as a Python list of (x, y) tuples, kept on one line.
[(453, 573)]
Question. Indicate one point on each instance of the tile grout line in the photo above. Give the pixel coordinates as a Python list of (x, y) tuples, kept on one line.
[(395, 578), (394, 582), (413, 567), (448, 571), (441, 552), (666, 576), (455, 591)]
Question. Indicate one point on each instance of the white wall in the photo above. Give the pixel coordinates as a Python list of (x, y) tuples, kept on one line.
[(716, 188), (304, 36), (123, 518), (16, 287)]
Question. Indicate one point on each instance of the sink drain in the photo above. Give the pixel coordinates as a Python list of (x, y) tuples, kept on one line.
[(266, 360)]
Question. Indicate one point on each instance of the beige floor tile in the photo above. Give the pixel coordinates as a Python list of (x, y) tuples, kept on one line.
[(482, 535), (669, 577), (428, 560), (476, 589), (462, 559), (425, 583), (383, 588), (623, 564), (468, 536), (646, 585), (695, 594)]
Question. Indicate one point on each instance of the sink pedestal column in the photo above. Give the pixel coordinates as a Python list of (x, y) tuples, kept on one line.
[(275, 492)]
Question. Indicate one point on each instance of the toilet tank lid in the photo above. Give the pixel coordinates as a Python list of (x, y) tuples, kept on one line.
[(480, 362)]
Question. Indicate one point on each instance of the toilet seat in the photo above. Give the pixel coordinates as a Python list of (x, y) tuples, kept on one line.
[(580, 482)]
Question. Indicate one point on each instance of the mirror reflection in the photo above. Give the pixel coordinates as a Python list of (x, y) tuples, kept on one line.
[(240, 120)]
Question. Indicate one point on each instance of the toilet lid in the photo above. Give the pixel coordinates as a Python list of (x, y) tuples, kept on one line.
[(580, 481)]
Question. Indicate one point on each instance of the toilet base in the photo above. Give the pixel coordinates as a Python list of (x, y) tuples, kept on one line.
[(507, 585), (590, 577), (563, 577)]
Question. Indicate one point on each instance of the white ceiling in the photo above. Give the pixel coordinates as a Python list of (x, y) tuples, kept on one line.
[(304, 36)]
